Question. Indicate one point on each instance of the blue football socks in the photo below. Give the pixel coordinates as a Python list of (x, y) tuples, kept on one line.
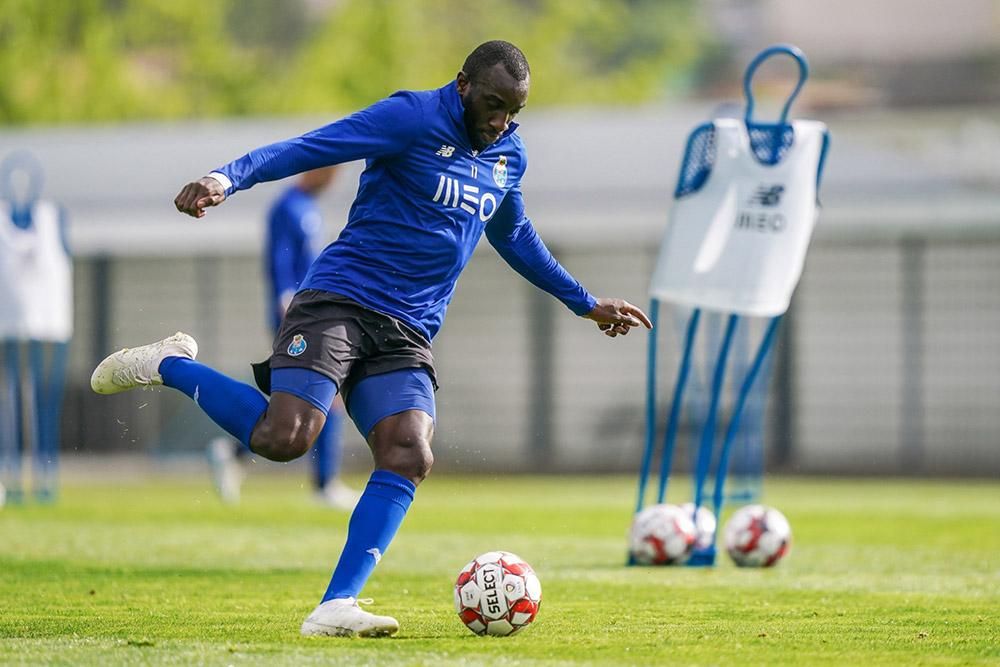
[(234, 406), (373, 524)]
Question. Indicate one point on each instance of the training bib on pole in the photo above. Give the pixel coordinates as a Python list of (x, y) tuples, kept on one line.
[(36, 290), (738, 243)]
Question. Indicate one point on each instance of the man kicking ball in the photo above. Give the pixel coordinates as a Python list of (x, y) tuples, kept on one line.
[(443, 166)]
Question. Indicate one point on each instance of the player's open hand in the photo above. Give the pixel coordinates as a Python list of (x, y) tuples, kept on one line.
[(615, 317), (195, 197)]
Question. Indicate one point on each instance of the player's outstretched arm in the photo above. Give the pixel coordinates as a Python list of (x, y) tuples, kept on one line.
[(385, 128), (195, 197), (615, 317)]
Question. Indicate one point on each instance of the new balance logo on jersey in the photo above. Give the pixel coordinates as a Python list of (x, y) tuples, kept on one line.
[(767, 195), (454, 194), (445, 150)]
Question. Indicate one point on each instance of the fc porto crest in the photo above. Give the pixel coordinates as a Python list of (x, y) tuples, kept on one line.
[(297, 346), (500, 172)]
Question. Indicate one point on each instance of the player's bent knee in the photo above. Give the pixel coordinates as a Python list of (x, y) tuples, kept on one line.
[(412, 461), (282, 448), (279, 443), (287, 430), (402, 444), (420, 464)]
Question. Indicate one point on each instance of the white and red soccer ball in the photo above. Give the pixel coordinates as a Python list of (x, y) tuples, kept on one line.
[(662, 535), (497, 594), (757, 536)]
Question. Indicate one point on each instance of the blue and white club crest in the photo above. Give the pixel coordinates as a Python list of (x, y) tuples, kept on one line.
[(500, 172), (297, 346)]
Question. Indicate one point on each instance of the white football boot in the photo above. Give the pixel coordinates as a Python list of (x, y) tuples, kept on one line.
[(140, 366), (343, 617)]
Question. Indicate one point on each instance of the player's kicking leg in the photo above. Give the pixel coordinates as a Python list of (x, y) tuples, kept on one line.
[(139, 367), (233, 405), (280, 431)]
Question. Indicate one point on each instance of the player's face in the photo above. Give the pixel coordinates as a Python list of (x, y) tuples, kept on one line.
[(491, 102)]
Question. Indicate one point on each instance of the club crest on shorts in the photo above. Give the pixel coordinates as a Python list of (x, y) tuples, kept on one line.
[(500, 172), (297, 346)]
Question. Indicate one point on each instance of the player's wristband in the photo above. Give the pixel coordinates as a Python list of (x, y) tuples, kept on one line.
[(223, 180)]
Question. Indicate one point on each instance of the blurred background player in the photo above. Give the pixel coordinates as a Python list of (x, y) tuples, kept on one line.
[(36, 325), (294, 239)]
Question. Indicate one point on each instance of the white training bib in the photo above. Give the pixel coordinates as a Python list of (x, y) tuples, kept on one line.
[(36, 277), (738, 244)]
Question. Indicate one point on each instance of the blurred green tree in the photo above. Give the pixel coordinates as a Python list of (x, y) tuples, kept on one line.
[(105, 60), (581, 51), (112, 60)]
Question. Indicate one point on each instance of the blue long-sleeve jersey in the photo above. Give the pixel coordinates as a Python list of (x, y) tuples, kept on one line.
[(292, 244), (424, 199)]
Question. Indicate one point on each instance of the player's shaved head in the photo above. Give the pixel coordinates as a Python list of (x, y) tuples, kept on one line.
[(488, 54), (493, 84)]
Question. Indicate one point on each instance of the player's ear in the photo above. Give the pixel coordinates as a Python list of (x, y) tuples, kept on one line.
[(462, 82)]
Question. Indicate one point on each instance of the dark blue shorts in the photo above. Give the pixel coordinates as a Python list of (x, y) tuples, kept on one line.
[(328, 343)]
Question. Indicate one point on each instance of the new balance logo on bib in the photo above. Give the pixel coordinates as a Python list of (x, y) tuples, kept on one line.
[(737, 244), (767, 195)]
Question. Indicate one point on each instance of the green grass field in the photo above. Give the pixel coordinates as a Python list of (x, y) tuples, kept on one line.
[(880, 573)]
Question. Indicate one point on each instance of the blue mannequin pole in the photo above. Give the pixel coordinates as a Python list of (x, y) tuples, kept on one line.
[(647, 454), (670, 437)]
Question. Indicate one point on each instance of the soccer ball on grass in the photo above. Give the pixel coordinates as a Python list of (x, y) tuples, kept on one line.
[(497, 594), (661, 535), (757, 536)]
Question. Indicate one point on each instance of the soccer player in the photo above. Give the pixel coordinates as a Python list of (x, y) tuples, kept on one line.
[(443, 166), (294, 227)]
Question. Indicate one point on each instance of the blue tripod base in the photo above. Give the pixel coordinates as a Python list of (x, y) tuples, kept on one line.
[(702, 558)]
